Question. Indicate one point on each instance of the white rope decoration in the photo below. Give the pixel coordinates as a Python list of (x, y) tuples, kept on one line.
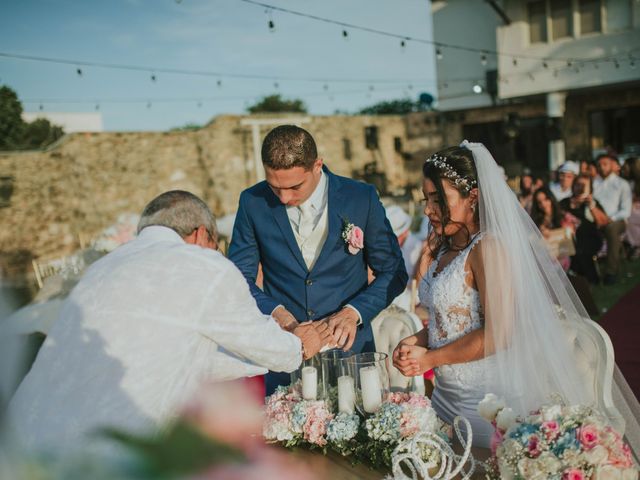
[(407, 455)]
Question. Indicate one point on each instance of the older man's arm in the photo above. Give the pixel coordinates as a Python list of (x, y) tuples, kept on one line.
[(232, 319)]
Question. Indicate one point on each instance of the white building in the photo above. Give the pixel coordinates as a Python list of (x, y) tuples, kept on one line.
[(546, 50), (70, 121)]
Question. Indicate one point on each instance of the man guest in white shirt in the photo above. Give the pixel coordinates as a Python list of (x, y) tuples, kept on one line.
[(144, 327), (614, 194)]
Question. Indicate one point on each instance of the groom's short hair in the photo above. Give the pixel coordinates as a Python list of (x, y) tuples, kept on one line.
[(180, 211), (289, 146)]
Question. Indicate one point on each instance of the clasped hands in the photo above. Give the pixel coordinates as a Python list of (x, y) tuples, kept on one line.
[(411, 360), (337, 330)]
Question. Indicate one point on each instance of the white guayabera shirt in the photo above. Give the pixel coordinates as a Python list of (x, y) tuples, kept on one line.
[(146, 324)]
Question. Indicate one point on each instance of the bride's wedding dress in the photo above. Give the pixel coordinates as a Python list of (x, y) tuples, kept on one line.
[(455, 311)]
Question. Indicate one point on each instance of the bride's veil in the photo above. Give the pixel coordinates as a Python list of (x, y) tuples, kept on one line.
[(533, 317)]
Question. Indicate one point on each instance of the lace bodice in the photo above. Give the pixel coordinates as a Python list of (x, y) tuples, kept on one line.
[(454, 309)]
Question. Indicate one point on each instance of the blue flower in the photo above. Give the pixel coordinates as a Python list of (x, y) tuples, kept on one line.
[(343, 427), (568, 440)]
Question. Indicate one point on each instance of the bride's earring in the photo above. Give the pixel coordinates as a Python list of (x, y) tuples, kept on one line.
[(473, 207)]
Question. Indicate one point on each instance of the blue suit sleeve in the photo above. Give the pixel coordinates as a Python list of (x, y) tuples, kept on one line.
[(245, 254), (383, 255)]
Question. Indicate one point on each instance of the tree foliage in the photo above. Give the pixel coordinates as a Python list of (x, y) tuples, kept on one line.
[(392, 107), (275, 103), (15, 133)]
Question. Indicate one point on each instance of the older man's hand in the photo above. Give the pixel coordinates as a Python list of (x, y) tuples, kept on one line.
[(285, 318), (314, 336)]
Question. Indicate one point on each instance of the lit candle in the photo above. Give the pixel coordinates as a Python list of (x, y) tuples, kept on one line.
[(371, 388), (346, 394), (309, 383)]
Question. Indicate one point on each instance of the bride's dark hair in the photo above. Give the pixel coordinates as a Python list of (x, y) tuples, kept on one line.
[(456, 165)]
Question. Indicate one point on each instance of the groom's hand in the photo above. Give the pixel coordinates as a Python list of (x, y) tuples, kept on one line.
[(343, 327), (314, 336)]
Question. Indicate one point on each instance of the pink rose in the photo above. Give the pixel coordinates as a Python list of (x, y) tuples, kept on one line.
[(534, 447), (573, 474), (355, 240), (588, 436), (551, 429)]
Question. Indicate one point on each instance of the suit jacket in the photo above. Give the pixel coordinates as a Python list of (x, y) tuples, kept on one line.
[(262, 233)]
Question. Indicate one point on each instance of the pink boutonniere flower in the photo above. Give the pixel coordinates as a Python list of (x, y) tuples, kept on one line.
[(353, 236)]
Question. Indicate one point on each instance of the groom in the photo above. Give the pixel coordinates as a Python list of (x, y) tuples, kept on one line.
[(314, 235)]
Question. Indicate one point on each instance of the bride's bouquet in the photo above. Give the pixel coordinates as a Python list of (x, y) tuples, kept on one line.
[(555, 442)]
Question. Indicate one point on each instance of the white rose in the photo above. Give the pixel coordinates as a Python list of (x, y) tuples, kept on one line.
[(608, 472), (596, 455), (550, 463), (630, 474), (551, 413), (506, 472), (505, 418), (489, 406)]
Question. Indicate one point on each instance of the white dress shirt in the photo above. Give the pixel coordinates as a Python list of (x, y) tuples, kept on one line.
[(557, 191), (614, 194), (143, 328)]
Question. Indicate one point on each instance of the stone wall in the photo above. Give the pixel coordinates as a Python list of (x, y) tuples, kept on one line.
[(82, 184)]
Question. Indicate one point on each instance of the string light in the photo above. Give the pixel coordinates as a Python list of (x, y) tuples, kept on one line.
[(325, 87), (515, 62), (483, 59), (345, 34), (97, 107), (41, 107), (545, 65), (148, 104), (153, 77), (79, 72), (616, 64), (403, 44), (477, 88), (276, 85), (270, 23), (439, 53), (219, 83)]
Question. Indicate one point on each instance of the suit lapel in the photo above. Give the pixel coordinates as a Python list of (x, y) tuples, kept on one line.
[(334, 214), (282, 219)]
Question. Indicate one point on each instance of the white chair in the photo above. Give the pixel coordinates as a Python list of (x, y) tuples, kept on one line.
[(590, 340), (389, 327)]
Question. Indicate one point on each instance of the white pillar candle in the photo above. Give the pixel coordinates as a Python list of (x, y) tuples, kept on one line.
[(309, 383), (346, 394), (371, 388)]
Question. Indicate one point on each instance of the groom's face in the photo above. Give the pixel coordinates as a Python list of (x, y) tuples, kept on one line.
[(294, 185)]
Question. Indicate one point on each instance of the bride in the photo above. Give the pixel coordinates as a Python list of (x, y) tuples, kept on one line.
[(499, 304)]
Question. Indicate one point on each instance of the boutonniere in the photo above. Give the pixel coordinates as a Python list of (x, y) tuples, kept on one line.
[(353, 236)]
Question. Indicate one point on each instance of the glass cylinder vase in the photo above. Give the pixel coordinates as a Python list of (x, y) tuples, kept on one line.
[(370, 372)]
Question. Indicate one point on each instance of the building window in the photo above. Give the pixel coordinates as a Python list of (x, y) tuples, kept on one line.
[(590, 20), (561, 19), (618, 15), (537, 21), (397, 144), (346, 148), (371, 137)]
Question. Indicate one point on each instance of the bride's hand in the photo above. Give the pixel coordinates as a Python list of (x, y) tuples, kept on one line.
[(411, 360)]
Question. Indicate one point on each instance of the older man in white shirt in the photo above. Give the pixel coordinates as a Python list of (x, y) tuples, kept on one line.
[(144, 327), (614, 194)]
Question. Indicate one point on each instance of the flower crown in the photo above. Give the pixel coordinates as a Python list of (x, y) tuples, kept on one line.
[(449, 173)]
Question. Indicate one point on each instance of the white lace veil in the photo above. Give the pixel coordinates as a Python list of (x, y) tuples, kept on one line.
[(534, 321)]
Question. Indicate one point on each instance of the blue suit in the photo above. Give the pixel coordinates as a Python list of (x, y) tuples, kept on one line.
[(262, 234)]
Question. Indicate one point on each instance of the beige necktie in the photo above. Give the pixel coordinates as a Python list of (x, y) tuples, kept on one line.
[(305, 226)]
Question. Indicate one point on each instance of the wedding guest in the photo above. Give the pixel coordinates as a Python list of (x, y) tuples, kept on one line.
[(545, 211), (528, 186), (587, 235), (144, 327), (566, 174), (614, 194), (631, 172)]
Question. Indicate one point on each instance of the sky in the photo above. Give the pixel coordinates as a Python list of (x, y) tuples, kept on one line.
[(223, 36)]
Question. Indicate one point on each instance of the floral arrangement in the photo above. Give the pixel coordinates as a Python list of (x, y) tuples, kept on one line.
[(555, 442), (293, 421), (353, 236)]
